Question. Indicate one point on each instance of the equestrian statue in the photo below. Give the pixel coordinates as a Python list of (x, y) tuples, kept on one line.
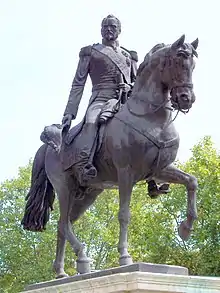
[(127, 136)]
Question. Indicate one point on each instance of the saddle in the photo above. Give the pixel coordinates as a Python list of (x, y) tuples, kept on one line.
[(61, 139)]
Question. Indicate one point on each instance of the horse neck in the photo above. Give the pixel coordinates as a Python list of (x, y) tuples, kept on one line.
[(149, 99)]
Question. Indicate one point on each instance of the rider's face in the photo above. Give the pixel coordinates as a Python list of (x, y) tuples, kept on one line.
[(110, 29)]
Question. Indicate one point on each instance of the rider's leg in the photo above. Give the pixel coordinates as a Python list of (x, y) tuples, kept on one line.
[(89, 134)]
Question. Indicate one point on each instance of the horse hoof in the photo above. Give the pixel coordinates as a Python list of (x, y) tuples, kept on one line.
[(184, 231), (125, 260), (62, 275), (83, 266)]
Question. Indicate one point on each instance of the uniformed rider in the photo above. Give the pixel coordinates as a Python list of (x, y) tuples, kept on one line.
[(111, 69)]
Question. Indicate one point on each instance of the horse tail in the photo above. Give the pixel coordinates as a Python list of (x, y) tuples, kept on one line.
[(40, 197)]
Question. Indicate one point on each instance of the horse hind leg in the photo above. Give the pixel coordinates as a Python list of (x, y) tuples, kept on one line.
[(66, 201), (78, 208), (64, 230), (58, 264), (65, 187)]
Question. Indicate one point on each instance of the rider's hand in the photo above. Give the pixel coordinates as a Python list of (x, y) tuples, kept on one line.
[(67, 120), (125, 87)]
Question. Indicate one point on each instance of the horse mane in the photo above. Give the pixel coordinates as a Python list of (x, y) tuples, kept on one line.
[(148, 55)]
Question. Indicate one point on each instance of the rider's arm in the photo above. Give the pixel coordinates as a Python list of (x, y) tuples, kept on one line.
[(79, 82)]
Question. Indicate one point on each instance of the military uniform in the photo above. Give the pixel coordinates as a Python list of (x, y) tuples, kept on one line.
[(107, 68)]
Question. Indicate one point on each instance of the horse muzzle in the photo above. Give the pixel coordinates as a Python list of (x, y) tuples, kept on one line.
[(182, 98)]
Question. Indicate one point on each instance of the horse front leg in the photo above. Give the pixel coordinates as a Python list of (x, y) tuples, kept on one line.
[(173, 175), (125, 190)]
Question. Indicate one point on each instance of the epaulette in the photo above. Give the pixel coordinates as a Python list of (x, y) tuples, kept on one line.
[(133, 54), (85, 51)]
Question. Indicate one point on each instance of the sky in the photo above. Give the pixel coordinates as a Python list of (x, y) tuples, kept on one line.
[(40, 43)]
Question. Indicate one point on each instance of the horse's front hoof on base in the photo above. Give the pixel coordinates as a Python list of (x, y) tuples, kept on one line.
[(184, 231), (83, 265), (62, 275), (125, 260)]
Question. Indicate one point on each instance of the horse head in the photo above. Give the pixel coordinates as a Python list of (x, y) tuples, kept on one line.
[(170, 68), (179, 74)]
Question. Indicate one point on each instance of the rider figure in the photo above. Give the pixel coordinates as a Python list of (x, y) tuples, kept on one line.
[(112, 70)]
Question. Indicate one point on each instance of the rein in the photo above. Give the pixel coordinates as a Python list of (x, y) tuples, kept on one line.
[(155, 110), (159, 144), (150, 137)]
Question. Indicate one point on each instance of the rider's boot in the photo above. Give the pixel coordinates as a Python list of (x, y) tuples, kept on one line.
[(154, 190), (85, 168)]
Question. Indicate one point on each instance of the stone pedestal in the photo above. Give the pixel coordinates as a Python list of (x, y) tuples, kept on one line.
[(132, 279)]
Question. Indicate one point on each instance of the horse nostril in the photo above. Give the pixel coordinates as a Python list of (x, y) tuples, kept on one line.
[(184, 97)]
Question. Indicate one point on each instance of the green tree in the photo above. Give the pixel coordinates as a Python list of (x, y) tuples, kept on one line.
[(26, 257), (21, 253)]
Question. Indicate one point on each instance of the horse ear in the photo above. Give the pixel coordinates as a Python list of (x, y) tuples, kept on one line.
[(178, 43), (195, 43)]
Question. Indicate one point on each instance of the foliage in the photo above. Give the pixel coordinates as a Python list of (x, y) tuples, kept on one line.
[(26, 257)]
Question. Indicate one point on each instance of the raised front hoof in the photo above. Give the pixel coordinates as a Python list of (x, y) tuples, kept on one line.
[(125, 260), (184, 231), (62, 275), (83, 266)]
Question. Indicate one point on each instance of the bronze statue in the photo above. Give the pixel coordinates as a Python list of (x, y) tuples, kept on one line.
[(128, 135)]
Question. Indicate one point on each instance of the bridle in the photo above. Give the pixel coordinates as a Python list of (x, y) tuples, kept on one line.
[(158, 107), (176, 105)]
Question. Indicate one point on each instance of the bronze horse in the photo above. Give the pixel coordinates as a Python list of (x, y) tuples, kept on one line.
[(140, 142)]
